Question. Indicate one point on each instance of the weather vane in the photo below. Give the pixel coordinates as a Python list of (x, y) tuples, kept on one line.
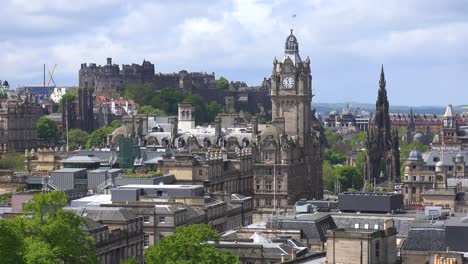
[(292, 20)]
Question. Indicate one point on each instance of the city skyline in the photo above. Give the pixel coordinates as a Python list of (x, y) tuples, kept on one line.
[(420, 44)]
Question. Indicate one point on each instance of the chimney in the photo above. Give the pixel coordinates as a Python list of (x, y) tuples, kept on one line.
[(293, 254), (109, 61)]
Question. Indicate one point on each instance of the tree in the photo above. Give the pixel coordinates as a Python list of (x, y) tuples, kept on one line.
[(116, 124), (148, 109), (46, 129), (334, 157), (99, 137), (329, 177), (76, 138), (189, 245), (349, 177), (222, 83), (47, 234), (358, 141), (12, 161), (141, 93), (213, 110), (68, 97), (11, 243)]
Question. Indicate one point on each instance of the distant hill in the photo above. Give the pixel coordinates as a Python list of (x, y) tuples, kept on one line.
[(326, 108)]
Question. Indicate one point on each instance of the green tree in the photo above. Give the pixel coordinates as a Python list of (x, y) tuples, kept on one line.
[(349, 177), (46, 129), (222, 83), (213, 110), (334, 157), (130, 261), (329, 177), (141, 93), (54, 233), (232, 111), (76, 138), (148, 109), (99, 137), (116, 124), (167, 100), (68, 97), (12, 161), (11, 243), (361, 162), (358, 141), (189, 245)]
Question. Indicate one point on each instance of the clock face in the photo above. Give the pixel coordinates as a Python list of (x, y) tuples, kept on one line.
[(440, 178), (459, 168), (288, 82)]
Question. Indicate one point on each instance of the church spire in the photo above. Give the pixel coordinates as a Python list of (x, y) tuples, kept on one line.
[(382, 82)]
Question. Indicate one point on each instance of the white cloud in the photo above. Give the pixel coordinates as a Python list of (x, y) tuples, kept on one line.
[(238, 38)]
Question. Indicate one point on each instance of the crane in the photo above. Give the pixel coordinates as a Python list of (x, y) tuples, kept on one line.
[(51, 75)]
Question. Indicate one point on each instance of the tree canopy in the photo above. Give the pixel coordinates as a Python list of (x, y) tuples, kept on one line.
[(76, 138), (189, 245), (222, 83), (46, 129), (152, 101), (12, 161), (99, 137), (46, 234)]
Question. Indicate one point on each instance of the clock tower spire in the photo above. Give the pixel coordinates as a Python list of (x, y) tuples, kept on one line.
[(291, 91)]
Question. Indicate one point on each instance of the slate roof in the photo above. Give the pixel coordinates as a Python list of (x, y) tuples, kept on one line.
[(426, 239), (81, 159), (105, 213)]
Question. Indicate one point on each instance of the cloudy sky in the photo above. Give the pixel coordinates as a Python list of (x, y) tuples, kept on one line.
[(423, 44)]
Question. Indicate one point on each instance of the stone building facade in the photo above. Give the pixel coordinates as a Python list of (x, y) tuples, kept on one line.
[(18, 118), (382, 142)]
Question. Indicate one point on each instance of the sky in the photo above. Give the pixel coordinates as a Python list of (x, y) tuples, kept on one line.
[(423, 44)]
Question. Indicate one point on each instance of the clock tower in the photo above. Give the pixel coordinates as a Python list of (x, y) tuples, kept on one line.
[(291, 91)]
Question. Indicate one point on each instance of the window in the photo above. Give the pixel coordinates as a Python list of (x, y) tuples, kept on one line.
[(200, 172), (413, 178), (436, 159), (270, 171), (356, 226), (162, 219), (406, 178), (430, 178), (413, 189), (146, 219), (257, 202), (422, 178), (257, 185), (376, 227), (268, 185), (377, 248), (366, 226), (406, 189), (146, 240), (268, 202), (279, 186)]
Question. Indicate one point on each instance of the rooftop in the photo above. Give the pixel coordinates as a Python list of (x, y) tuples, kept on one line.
[(69, 170), (159, 186), (81, 159)]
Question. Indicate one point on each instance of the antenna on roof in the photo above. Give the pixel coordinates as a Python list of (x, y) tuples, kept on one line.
[(292, 21)]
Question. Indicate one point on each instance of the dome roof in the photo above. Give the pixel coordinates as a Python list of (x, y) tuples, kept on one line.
[(439, 164), (273, 131), (415, 155), (459, 155), (418, 136)]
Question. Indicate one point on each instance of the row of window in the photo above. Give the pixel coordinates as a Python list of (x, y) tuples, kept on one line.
[(268, 185), (161, 219), (421, 178)]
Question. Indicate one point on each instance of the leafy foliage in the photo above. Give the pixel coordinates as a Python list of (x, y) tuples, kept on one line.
[(68, 97), (222, 83), (12, 161), (46, 129), (166, 101), (334, 157), (213, 110), (47, 234), (76, 138), (189, 245), (99, 137)]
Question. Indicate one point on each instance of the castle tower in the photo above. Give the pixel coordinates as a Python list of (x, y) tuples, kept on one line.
[(382, 146), (291, 91), (186, 116)]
